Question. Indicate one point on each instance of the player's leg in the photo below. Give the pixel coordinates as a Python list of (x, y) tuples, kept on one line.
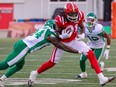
[(55, 58), (82, 47), (83, 58), (19, 52), (83, 73), (98, 54), (15, 68), (3, 65), (83, 63)]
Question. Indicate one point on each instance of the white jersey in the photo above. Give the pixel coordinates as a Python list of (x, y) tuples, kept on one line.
[(38, 39), (95, 38)]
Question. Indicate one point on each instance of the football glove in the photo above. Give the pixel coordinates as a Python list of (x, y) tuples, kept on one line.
[(81, 36), (106, 54), (65, 34)]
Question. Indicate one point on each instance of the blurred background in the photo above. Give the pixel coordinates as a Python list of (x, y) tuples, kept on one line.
[(19, 18)]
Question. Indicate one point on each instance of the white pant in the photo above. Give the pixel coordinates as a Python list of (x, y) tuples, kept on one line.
[(75, 44)]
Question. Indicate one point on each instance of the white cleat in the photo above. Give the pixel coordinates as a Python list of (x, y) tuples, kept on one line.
[(106, 80), (1, 83), (32, 78), (102, 66), (82, 75)]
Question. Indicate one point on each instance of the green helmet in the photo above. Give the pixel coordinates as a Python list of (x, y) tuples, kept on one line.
[(91, 20), (50, 23)]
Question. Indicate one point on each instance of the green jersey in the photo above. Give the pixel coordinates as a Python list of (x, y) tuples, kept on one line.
[(38, 39), (95, 38)]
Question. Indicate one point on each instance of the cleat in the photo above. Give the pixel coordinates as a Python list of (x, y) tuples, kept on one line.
[(30, 83), (82, 75), (32, 78), (1, 83), (77, 77), (109, 79)]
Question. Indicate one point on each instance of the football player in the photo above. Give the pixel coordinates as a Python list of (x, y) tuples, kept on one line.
[(70, 19), (41, 38), (96, 41)]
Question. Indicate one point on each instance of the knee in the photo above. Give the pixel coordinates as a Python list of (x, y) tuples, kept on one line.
[(20, 65), (3, 65), (83, 59)]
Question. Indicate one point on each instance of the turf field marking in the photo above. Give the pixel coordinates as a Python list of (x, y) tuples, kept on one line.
[(22, 81), (111, 69)]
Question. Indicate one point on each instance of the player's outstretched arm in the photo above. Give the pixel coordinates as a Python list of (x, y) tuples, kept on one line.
[(56, 42)]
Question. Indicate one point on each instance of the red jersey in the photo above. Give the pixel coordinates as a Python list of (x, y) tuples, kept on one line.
[(60, 22)]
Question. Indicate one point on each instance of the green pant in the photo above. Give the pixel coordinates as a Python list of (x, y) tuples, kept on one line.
[(83, 58), (16, 59)]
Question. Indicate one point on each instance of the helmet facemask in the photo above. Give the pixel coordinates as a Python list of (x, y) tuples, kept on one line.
[(73, 17)]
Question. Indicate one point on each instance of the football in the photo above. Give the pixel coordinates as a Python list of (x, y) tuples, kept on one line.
[(69, 29)]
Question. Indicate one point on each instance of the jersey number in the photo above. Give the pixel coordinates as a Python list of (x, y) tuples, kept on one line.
[(38, 33), (93, 38)]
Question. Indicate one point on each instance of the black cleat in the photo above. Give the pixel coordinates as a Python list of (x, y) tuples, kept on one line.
[(30, 83), (77, 77), (110, 79)]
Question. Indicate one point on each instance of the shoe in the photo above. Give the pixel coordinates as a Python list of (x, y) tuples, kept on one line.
[(1, 83), (82, 75), (106, 80), (102, 66), (32, 78), (30, 83)]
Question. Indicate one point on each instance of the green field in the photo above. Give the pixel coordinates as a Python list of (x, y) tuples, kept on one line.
[(62, 75)]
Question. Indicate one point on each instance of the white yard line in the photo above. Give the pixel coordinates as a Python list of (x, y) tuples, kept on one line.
[(22, 81)]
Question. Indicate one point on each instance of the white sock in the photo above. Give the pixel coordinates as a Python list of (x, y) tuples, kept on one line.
[(3, 77), (36, 73), (100, 76)]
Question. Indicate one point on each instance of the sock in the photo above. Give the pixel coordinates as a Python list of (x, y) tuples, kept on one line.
[(94, 63), (100, 76), (45, 66), (3, 77)]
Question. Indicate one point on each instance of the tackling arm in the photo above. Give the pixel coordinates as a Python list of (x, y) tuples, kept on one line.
[(56, 42)]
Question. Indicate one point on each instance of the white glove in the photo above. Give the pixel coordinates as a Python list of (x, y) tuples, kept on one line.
[(106, 54), (65, 34), (81, 36)]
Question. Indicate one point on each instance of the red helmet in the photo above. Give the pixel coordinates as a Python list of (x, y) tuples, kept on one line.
[(71, 11)]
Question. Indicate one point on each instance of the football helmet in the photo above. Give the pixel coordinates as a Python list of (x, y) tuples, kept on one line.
[(71, 12), (50, 23), (91, 20)]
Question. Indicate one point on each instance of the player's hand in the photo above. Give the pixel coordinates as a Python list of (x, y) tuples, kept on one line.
[(81, 36), (65, 34), (106, 54), (79, 52)]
